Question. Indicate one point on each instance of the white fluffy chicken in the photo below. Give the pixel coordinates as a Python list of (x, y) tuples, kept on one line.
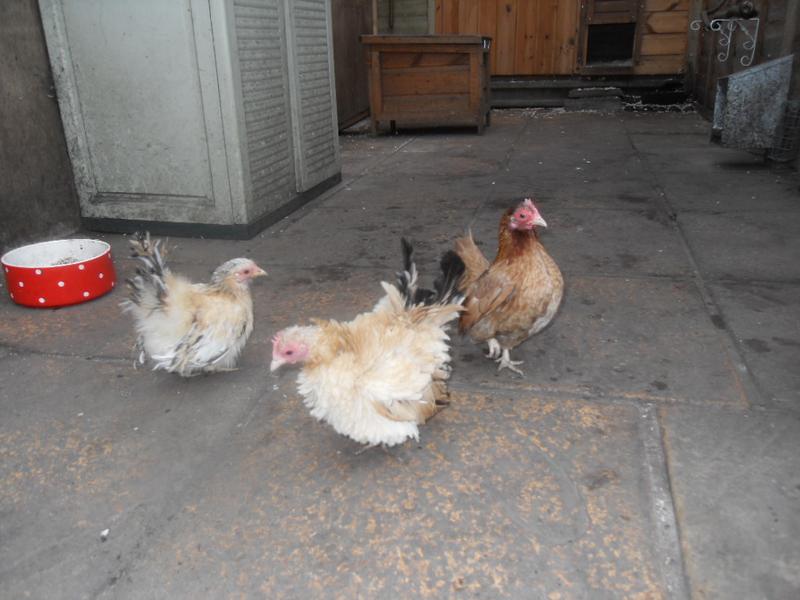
[(189, 328), (379, 376)]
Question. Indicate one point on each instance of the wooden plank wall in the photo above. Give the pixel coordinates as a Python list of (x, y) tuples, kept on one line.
[(539, 37), (663, 31), (409, 17), (707, 69), (350, 19), (530, 37)]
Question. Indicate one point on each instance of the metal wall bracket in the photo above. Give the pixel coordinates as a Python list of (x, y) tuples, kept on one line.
[(726, 29)]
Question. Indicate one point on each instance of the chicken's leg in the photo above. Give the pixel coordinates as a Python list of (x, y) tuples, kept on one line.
[(505, 362), (364, 449), (494, 349)]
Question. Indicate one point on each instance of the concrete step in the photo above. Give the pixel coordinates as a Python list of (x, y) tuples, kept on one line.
[(510, 92)]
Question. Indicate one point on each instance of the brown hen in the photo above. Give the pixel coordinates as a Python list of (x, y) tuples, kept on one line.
[(518, 294)]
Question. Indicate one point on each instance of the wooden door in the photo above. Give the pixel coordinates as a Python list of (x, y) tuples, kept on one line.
[(611, 11), (530, 37)]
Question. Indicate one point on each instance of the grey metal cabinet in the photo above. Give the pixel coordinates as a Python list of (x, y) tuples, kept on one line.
[(207, 116)]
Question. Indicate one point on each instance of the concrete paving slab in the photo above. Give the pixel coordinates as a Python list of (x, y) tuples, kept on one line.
[(765, 320), (100, 329), (92, 329), (599, 137), (666, 124), (680, 150), (503, 497), (96, 329), (634, 338), (594, 242), (372, 233), (761, 246), (735, 480), (624, 187), (428, 195), (549, 189), (550, 486), (604, 169), (698, 176), (88, 446), (420, 164), (718, 195), (361, 152), (183, 249), (493, 144)]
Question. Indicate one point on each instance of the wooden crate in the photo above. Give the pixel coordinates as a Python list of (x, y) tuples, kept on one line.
[(428, 79)]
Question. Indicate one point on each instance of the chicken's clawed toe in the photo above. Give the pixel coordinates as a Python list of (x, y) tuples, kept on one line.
[(505, 362)]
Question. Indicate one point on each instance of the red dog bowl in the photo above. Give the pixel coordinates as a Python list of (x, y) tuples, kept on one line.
[(59, 273)]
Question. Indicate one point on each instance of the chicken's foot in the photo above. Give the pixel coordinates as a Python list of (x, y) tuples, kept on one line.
[(505, 362), (364, 449)]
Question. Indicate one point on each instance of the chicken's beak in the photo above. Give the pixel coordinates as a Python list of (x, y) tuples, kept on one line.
[(260, 272), (275, 365), (538, 220)]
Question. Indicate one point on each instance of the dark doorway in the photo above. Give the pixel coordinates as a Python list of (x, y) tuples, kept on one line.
[(610, 44)]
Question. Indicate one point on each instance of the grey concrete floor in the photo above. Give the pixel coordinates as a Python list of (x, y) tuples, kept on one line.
[(651, 451)]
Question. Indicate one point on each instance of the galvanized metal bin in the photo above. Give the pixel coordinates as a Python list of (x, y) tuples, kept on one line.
[(750, 105), (197, 116)]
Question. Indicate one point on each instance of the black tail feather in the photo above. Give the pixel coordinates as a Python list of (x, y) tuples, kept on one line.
[(407, 278), (150, 273), (445, 286)]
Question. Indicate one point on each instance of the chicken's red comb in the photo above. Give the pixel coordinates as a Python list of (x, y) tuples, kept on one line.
[(528, 202)]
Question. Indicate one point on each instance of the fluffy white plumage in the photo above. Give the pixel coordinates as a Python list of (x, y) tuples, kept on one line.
[(377, 377), (189, 328)]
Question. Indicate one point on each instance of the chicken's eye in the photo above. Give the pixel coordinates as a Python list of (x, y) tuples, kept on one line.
[(246, 271), (289, 352)]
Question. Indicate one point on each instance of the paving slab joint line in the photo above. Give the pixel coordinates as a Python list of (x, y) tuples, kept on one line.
[(751, 389), (22, 351), (667, 533), (500, 170)]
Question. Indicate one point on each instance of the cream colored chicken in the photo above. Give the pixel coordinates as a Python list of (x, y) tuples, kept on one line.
[(190, 328), (378, 377)]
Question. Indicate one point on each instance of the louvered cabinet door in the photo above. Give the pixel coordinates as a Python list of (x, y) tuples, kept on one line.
[(261, 50), (313, 106)]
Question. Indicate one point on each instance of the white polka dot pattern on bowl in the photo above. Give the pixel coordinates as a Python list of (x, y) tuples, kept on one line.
[(41, 300), (100, 275), (21, 284), (85, 294), (60, 284), (81, 267), (38, 271)]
